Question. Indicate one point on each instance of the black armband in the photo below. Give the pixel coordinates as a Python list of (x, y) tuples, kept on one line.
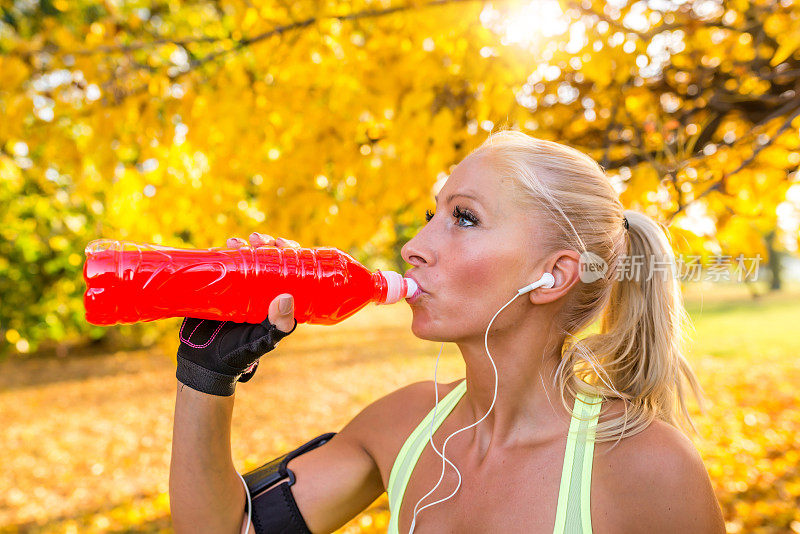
[(274, 508)]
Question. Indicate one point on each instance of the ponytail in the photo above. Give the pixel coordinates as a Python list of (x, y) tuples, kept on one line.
[(642, 329)]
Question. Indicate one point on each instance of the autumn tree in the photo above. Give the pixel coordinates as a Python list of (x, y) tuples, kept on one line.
[(184, 123), (692, 109)]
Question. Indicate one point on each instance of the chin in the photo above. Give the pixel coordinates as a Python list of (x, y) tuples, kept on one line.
[(417, 329), (420, 328), (423, 330)]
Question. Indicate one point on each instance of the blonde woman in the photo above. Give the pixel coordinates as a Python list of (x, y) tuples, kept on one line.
[(578, 433)]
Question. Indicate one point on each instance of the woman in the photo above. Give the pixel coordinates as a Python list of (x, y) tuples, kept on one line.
[(542, 459)]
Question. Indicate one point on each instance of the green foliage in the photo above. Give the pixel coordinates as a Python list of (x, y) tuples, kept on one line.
[(42, 229)]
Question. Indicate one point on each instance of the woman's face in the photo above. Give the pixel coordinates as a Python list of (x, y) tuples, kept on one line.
[(471, 262)]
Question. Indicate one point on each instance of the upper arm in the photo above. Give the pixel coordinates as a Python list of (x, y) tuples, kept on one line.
[(335, 482), (341, 478), (669, 487)]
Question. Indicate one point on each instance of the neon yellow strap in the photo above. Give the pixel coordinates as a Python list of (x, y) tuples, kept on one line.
[(411, 451), (591, 410), (573, 514)]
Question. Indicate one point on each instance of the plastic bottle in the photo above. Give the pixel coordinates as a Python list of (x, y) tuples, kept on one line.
[(129, 282)]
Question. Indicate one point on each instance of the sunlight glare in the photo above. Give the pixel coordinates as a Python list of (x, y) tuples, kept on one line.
[(529, 25)]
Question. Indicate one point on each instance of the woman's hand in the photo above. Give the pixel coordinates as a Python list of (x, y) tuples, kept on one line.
[(284, 320), (214, 355)]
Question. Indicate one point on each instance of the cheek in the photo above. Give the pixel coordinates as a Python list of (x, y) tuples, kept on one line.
[(474, 284), (476, 277), (483, 284)]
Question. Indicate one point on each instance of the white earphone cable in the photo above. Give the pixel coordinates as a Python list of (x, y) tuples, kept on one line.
[(444, 446), (249, 503)]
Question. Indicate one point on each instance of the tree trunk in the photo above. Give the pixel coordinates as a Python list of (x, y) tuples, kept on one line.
[(774, 262)]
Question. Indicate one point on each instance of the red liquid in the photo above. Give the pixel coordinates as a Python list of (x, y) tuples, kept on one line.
[(134, 282)]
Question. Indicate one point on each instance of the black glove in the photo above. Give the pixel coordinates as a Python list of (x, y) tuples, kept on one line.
[(214, 355)]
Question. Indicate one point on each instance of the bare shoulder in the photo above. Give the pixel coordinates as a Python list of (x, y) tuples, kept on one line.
[(337, 481), (658, 480), (382, 427)]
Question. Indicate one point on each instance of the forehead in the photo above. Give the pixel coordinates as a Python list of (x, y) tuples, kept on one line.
[(473, 177)]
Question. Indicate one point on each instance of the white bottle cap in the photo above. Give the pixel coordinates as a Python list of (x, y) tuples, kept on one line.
[(412, 287), (395, 282)]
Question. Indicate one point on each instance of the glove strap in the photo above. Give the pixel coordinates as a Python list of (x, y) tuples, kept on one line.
[(204, 380)]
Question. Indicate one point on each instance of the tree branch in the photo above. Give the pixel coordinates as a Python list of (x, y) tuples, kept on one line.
[(718, 186), (108, 49)]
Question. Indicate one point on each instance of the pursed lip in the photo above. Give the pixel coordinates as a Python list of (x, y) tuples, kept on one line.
[(408, 275)]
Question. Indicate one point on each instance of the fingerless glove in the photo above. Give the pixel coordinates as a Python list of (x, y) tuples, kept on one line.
[(214, 355)]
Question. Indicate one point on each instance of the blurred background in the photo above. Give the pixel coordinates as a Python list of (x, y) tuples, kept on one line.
[(333, 124)]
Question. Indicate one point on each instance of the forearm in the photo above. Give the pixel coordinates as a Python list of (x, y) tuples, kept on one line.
[(206, 494)]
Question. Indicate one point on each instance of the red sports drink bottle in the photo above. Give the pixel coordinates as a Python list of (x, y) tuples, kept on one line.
[(129, 282)]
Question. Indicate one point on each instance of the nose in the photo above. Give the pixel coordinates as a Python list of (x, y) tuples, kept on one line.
[(411, 254)]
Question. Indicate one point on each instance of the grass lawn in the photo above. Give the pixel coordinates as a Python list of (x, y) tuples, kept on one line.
[(87, 438)]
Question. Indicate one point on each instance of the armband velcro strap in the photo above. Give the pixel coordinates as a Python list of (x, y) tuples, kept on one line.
[(274, 507), (275, 511)]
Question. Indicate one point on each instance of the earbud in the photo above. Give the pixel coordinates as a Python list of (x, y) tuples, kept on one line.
[(546, 280)]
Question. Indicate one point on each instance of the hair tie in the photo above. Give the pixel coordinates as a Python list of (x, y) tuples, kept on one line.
[(625, 222)]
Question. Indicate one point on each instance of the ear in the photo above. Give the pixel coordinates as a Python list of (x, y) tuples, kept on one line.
[(564, 265)]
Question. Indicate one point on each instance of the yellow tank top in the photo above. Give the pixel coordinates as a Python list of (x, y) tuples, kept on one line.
[(573, 512)]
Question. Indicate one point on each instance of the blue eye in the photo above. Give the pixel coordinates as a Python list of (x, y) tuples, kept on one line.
[(459, 214)]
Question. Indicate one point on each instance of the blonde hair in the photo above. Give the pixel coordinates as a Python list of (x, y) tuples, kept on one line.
[(637, 355)]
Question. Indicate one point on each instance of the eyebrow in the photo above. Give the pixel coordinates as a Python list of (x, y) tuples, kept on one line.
[(451, 197)]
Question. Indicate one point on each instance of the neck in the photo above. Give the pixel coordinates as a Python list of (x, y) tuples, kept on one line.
[(527, 409)]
